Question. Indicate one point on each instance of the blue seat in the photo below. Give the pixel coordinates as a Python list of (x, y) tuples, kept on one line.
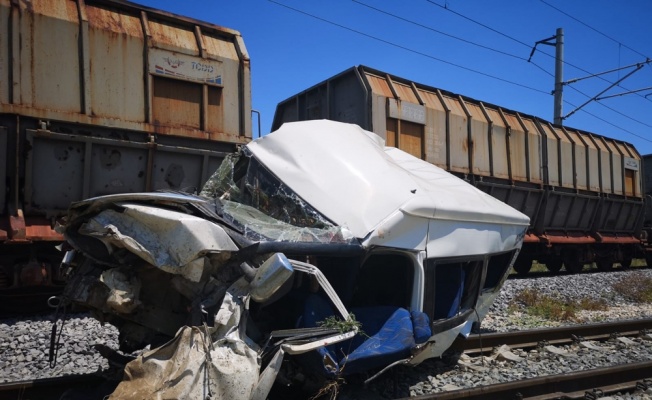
[(389, 335)]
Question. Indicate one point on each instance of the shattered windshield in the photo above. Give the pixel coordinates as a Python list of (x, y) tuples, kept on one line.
[(264, 207)]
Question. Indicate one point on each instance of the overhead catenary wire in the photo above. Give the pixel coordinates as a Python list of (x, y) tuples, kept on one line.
[(470, 42), (593, 29), (444, 7), (574, 66), (409, 49), (420, 53)]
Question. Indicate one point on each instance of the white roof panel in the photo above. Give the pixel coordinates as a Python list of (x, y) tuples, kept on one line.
[(349, 175)]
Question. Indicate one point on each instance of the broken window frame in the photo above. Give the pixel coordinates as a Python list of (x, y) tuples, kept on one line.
[(299, 340), (440, 324), (244, 187)]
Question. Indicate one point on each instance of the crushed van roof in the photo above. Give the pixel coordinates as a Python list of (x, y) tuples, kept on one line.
[(312, 157)]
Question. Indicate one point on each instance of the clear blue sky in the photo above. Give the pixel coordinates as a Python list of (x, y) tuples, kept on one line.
[(294, 44)]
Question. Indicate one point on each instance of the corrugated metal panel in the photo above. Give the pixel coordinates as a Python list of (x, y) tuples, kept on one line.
[(616, 162), (567, 164), (167, 36), (594, 164), (49, 56), (219, 49), (459, 143), (3, 163), (605, 164), (117, 64), (579, 159), (405, 93), (379, 85), (97, 166), (5, 58), (518, 152), (435, 131), (535, 146), (480, 138), (551, 161), (500, 158)]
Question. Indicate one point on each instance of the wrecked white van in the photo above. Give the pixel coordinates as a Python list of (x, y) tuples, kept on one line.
[(313, 253)]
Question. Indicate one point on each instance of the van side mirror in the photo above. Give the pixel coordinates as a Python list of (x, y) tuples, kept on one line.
[(274, 272)]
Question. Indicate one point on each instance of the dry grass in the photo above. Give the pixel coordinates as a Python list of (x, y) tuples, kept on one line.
[(554, 309), (635, 288)]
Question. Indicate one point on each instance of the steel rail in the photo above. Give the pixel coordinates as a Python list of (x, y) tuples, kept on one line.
[(49, 388), (574, 385), (480, 343)]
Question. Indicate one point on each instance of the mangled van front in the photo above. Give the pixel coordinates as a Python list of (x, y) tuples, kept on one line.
[(370, 240)]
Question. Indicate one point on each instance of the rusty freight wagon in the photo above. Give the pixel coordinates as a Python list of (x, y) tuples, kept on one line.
[(583, 192), (100, 97)]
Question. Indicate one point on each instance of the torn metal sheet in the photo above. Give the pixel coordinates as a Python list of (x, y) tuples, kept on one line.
[(170, 240)]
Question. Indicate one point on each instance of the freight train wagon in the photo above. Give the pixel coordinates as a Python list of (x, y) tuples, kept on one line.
[(583, 192), (100, 97)]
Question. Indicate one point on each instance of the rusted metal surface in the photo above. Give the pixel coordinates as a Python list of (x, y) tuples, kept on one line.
[(531, 238), (126, 47), (619, 239), (96, 166), (107, 96)]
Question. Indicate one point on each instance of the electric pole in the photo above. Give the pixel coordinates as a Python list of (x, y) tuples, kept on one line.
[(559, 70), (559, 75)]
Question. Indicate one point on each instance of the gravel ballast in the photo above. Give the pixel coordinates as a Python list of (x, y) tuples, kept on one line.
[(24, 343)]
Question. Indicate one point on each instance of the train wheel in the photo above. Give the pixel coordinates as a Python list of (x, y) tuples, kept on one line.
[(522, 265), (572, 263), (648, 260), (604, 264), (626, 262), (554, 264)]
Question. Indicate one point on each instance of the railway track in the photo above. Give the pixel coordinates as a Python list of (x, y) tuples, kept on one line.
[(88, 386), (621, 378), (590, 384), (481, 343)]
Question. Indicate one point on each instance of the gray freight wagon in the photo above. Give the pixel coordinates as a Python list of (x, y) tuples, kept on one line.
[(583, 192)]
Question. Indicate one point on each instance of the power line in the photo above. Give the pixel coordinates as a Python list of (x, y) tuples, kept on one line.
[(408, 49), (593, 29), (466, 68), (612, 109), (479, 23), (610, 123), (439, 32), (451, 36), (522, 43)]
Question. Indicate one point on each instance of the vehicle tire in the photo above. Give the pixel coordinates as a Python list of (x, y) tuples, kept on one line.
[(604, 264), (554, 264), (522, 265)]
